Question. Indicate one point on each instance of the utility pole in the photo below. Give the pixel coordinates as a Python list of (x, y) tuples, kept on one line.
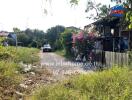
[(16, 41)]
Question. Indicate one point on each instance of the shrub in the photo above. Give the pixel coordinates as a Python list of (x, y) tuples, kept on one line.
[(112, 84), (67, 41)]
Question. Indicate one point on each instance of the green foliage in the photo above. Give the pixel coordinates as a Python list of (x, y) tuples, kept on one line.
[(27, 55), (23, 39), (35, 38), (10, 58), (1, 40), (8, 68), (111, 84), (6, 53), (29, 38), (67, 41), (129, 19), (5, 56), (16, 30), (59, 44), (101, 10), (74, 2), (10, 76), (53, 36), (20, 54)]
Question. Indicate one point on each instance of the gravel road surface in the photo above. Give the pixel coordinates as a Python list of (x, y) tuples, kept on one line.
[(60, 66)]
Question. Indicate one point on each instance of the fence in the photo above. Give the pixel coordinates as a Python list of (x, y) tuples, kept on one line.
[(115, 58)]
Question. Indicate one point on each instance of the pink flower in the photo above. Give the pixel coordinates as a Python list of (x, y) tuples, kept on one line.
[(80, 36)]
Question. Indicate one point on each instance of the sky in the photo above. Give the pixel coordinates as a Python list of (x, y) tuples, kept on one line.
[(30, 14)]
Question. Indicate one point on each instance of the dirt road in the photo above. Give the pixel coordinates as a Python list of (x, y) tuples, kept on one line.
[(60, 66), (53, 68)]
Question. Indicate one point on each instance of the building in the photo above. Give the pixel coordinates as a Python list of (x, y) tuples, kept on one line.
[(4, 34), (111, 29), (106, 26)]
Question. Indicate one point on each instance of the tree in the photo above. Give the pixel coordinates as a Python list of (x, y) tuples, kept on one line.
[(39, 37), (36, 37), (74, 2), (101, 10), (66, 38), (53, 36), (28, 37), (16, 30), (23, 39)]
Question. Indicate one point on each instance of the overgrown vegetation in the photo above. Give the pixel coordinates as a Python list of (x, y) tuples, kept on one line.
[(66, 43), (112, 84), (10, 75), (130, 58), (19, 54), (27, 55)]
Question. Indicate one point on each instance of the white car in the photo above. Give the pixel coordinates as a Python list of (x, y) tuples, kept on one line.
[(47, 48)]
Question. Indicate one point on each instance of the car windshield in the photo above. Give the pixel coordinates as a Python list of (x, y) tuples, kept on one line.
[(46, 45)]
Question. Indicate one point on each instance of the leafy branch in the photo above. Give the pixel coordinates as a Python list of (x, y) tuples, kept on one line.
[(101, 10)]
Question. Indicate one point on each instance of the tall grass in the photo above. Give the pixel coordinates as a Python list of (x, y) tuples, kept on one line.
[(27, 55), (11, 56), (112, 84), (20, 54), (10, 77), (8, 68), (130, 58)]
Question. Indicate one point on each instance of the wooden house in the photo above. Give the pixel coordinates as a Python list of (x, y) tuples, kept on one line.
[(112, 31), (105, 26)]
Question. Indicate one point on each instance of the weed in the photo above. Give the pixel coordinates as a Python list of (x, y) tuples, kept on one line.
[(111, 84)]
